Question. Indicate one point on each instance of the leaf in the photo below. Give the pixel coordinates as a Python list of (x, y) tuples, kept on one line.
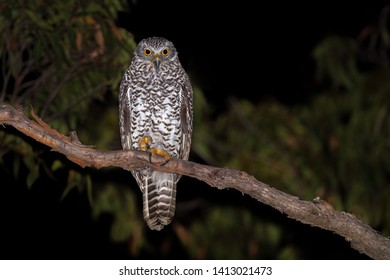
[(57, 164), (89, 189), (121, 204), (32, 176), (74, 178), (41, 23)]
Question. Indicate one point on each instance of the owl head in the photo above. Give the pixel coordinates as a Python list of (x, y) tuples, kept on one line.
[(155, 50)]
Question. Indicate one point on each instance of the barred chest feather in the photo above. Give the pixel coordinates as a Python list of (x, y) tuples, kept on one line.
[(156, 109)]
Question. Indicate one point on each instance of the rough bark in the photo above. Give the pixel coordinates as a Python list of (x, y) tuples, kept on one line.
[(317, 213)]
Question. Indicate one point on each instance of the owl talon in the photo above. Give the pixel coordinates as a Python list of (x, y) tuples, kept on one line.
[(144, 143), (161, 153)]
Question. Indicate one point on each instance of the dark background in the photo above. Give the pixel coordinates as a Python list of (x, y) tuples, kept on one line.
[(233, 47), (230, 49)]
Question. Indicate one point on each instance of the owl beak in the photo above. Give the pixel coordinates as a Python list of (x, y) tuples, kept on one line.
[(156, 61)]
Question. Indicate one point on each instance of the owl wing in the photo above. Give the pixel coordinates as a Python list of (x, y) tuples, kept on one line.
[(125, 114), (186, 118), (125, 124)]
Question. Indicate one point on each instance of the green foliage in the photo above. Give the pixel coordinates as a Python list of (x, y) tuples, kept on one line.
[(335, 146), (121, 204), (336, 61), (212, 237), (63, 58), (60, 57)]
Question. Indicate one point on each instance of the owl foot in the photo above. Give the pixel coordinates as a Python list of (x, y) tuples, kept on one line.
[(144, 145), (160, 152)]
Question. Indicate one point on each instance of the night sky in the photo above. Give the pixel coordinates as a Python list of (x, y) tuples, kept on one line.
[(246, 50)]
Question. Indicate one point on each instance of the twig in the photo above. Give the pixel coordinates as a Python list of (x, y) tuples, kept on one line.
[(317, 213)]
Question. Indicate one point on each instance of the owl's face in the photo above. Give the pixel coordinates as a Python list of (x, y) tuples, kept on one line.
[(156, 51)]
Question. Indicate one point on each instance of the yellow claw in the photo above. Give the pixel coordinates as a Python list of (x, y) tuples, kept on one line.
[(161, 153), (144, 145)]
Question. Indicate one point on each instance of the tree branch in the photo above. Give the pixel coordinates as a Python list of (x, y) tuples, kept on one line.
[(315, 213)]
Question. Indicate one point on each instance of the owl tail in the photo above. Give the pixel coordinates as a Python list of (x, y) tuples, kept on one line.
[(159, 199)]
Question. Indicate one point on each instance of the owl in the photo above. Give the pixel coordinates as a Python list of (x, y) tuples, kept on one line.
[(155, 115)]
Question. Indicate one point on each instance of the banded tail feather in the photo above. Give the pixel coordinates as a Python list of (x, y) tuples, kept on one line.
[(159, 199)]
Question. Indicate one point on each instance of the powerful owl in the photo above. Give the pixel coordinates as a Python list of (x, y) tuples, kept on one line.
[(155, 106)]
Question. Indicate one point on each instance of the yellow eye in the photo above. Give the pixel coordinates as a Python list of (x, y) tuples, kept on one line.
[(165, 52), (147, 52)]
